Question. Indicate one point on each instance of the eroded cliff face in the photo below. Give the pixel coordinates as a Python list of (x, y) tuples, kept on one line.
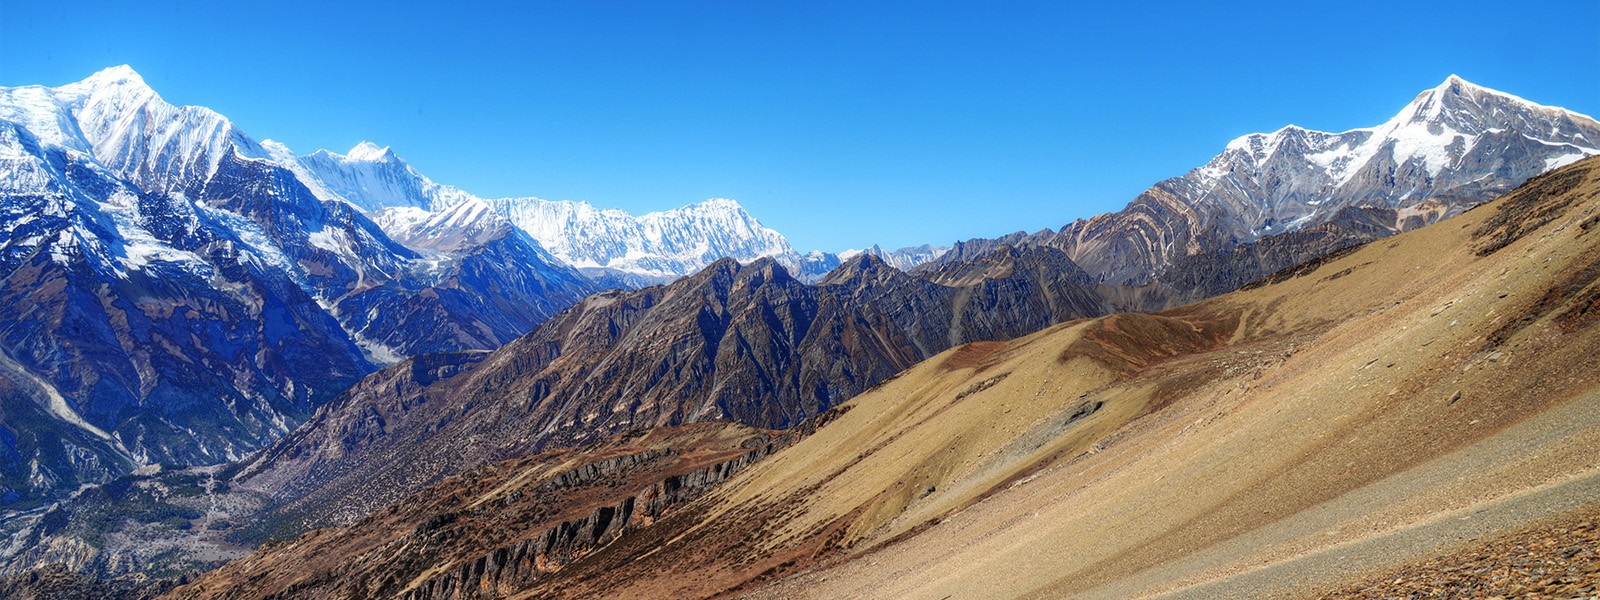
[(515, 567), (501, 528)]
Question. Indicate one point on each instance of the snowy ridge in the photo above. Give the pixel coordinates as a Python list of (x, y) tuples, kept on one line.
[(467, 224), (658, 245), (1436, 130), (671, 243), (904, 259), (143, 138)]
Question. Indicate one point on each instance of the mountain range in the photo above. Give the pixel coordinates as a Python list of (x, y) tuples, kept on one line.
[(743, 343), (343, 331)]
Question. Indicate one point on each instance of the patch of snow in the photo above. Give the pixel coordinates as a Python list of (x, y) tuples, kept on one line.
[(1567, 159)]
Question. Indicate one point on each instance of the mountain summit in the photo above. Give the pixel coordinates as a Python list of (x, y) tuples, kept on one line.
[(1450, 148), (369, 152)]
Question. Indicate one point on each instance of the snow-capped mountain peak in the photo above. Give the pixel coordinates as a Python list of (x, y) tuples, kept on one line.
[(467, 224), (369, 176), (720, 204), (190, 296), (659, 244), (1457, 143), (1435, 131), (127, 127)]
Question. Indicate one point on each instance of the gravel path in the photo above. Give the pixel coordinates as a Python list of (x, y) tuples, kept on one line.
[(1554, 559), (1576, 496)]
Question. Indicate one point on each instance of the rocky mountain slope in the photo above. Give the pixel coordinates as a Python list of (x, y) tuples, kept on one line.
[(168, 293), (1452, 147), (1335, 422), (335, 489), (747, 343)]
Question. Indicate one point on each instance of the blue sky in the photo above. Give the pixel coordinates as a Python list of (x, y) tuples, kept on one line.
[(838, 123)]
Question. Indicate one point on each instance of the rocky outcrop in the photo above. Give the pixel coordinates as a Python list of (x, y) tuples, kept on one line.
[(498, 529), (1200, 276)]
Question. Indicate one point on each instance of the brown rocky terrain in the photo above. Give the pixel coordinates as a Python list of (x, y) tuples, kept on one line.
[(1341, 420)]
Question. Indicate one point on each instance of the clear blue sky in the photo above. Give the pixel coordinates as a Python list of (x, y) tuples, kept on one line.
[(838, 123)]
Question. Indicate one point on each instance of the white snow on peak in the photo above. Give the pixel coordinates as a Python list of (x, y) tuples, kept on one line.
[(117, 75), (400, 218), (165, 149), (1442, 124), (469, 212), (368, 152), (1451, 140), (720, 204), (667, 243), (904, 258), (1459, 85)]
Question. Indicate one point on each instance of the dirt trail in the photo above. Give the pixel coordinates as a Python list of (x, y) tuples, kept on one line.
[(1307, 575)]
